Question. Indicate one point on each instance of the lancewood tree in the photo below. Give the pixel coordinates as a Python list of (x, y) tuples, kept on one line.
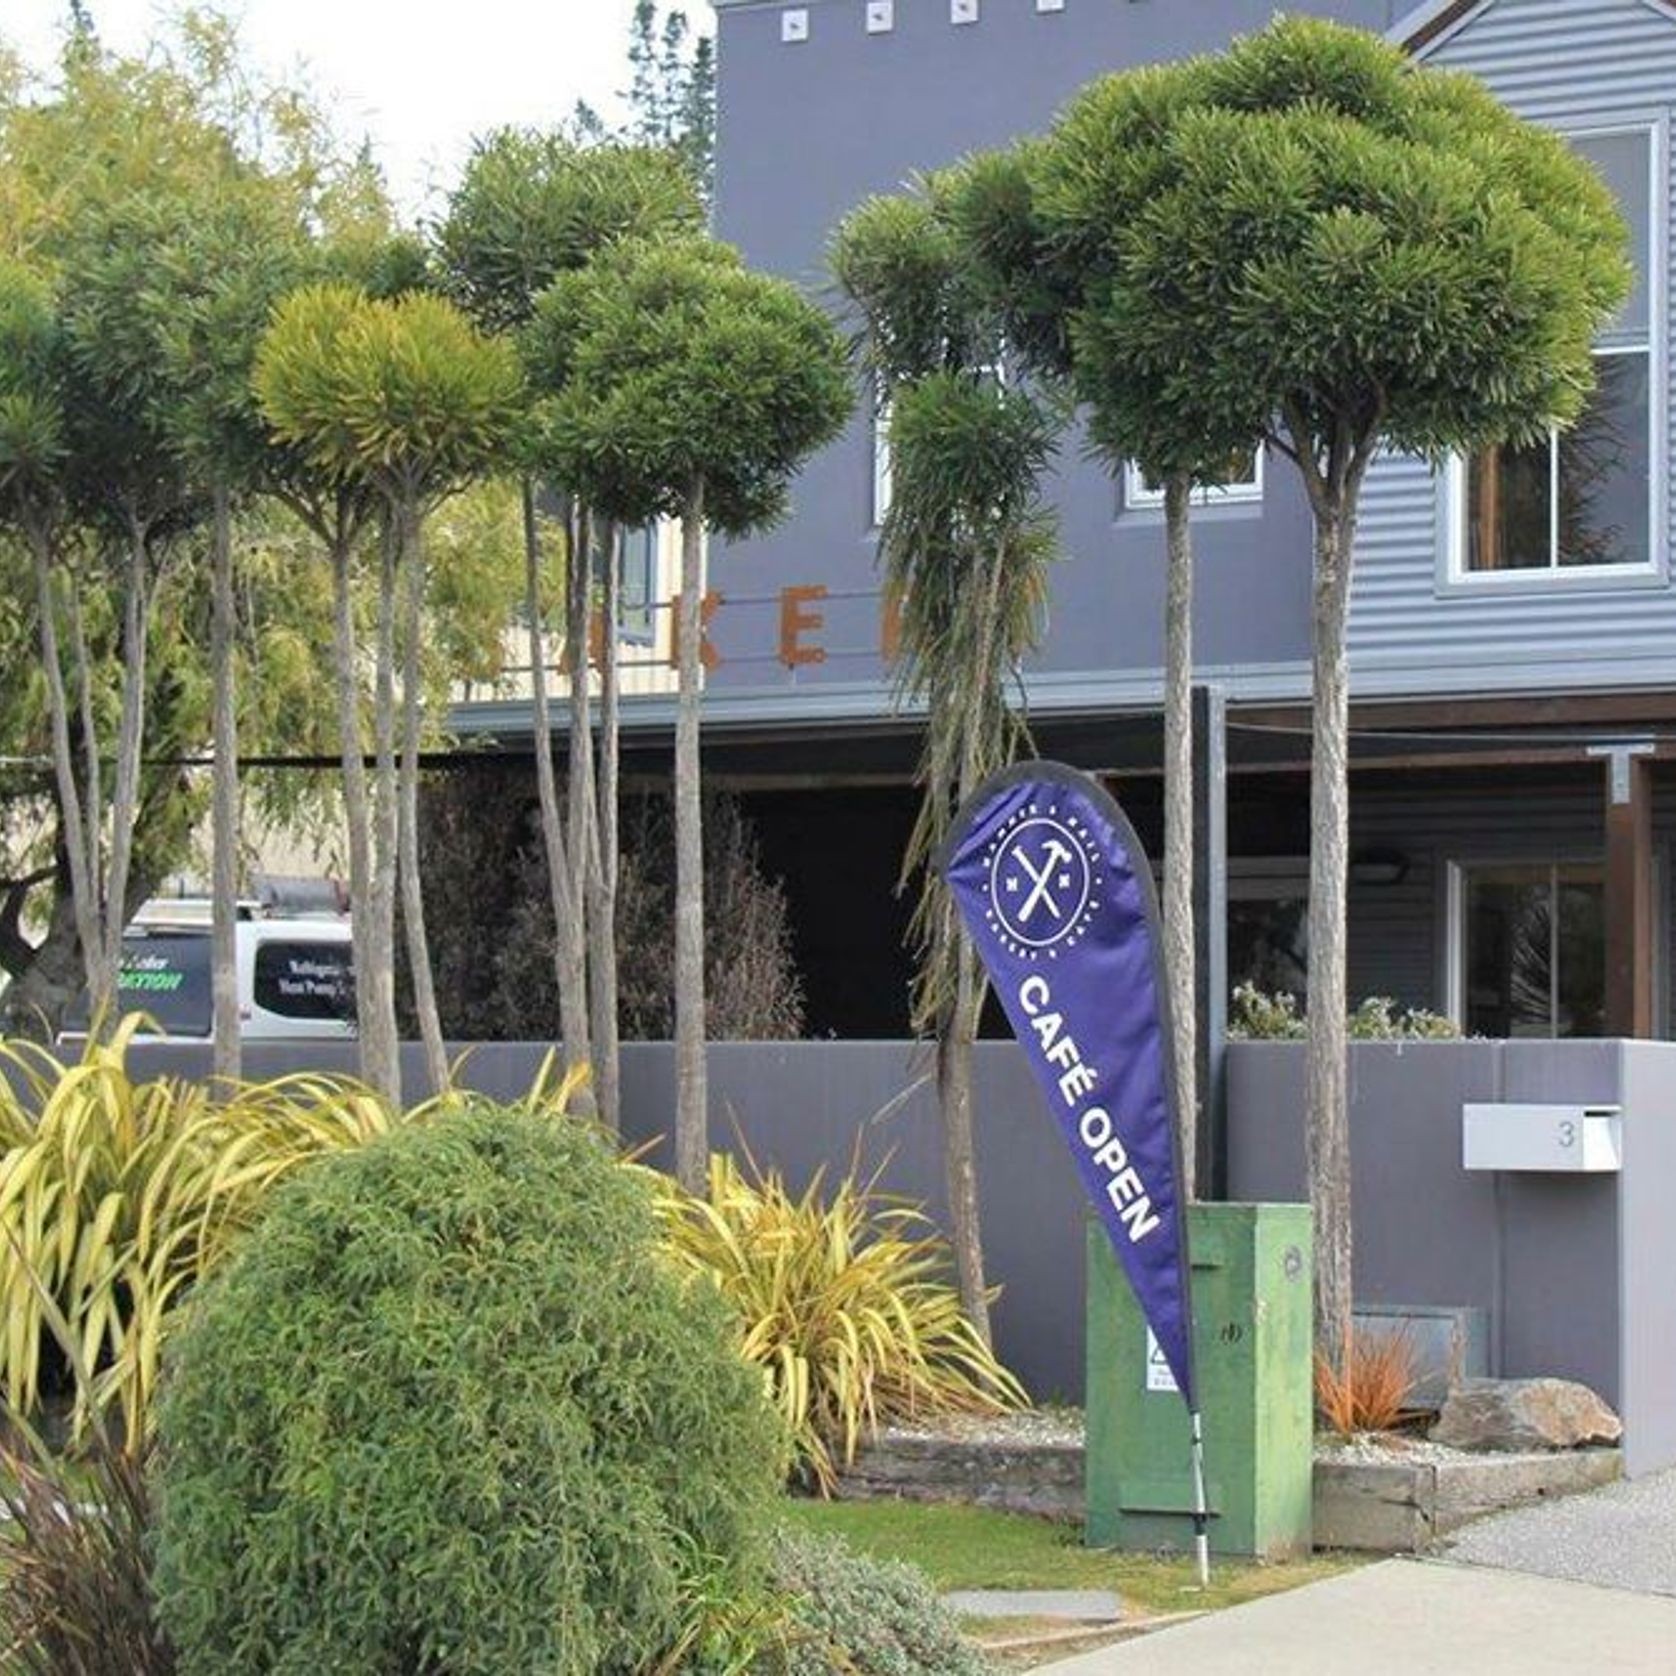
[(1375, 254), (529, 207), (405, 394), (964, 548), (1055, 237), (690, 388)]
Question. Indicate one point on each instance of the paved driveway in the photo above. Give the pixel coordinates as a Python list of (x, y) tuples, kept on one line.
[(1623, 1537)]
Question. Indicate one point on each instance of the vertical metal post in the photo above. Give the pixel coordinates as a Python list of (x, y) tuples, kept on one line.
[(1210, 935), (1629, 889)]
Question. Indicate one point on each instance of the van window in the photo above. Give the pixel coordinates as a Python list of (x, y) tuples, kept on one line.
[(305, 980), (165, 977)]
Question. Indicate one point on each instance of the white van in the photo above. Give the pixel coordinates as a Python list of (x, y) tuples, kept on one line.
[(296, 974)]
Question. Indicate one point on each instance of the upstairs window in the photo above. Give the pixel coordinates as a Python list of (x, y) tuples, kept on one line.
[(637, 585), (1582, 499)]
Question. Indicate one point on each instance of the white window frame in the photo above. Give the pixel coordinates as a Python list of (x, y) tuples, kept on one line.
[(1456, 577), (881, 460), (1137, 497)]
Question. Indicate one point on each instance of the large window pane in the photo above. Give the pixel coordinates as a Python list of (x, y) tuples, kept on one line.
[(1604, 465), (1534, 961), (1624, 162), (1509, 502), (1268, 945)]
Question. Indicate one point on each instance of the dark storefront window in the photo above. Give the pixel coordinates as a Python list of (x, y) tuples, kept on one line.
[(1534, 961)]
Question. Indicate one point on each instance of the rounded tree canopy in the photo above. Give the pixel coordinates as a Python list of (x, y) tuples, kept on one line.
[(404, 392), (1309, 236), (677, 369), (533, 205)]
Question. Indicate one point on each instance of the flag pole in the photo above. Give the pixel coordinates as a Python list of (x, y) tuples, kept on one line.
[(1201, 1513)]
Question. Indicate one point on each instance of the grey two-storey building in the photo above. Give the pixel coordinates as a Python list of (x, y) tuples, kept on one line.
[(1513, 632)]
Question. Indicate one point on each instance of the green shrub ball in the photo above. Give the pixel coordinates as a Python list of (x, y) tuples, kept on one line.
[(450, 1411)]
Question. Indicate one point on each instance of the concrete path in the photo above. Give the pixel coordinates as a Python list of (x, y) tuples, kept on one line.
[(1622, 1536), (1411, 1618)]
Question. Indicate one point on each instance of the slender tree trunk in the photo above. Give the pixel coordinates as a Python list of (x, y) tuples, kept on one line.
[(579, 784), (93, 794), (603, 856), (1328, 1128), (571, 979), (382, 974), (960, 1153), (1178, 812), (960, 1029), (692, 1111), (84, 902), (374, 1048), (125, 789), (413, 895), (228, 1061)]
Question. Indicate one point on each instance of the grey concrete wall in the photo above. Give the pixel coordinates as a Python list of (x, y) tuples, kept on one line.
[(1572, 1270), (1647, 1252), (1537, 1253), (803, 1106)]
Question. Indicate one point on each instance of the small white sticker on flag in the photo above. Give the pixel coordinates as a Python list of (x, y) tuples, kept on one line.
[(1158, 1375)]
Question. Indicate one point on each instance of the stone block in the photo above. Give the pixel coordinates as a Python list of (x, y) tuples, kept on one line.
[(1523, 1414)]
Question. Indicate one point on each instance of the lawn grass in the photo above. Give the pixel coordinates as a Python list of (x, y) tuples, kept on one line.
[(980, 1548)]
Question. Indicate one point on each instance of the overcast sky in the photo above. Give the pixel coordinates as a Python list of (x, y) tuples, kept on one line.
[(420, 78)]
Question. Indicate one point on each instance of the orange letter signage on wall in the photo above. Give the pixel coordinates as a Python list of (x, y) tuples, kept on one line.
[(708, 656), (795, 622)]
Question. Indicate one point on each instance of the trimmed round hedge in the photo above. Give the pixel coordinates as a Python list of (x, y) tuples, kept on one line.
[(450, 1411)]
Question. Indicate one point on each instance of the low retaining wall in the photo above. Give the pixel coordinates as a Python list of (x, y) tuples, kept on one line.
[(1041, 1478), (1382, 1507), (1401, 1507)]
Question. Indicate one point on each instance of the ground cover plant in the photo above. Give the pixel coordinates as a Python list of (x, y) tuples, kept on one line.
[(843, 1301), (449, 1412), (853, 1614)]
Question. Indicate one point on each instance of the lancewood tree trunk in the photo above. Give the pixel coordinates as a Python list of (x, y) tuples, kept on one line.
[(575, 931), (1328, 1128), (413, 896), (981, 726), (571, 977), (692, 1116), (375, 1050), (381, 974), (1178, 811), (78, 848), (125, 788), (224, 796), (604, 854)]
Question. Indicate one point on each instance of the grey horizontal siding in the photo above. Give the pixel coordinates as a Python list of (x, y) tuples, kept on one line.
[(1396, 930), (1564, 63)]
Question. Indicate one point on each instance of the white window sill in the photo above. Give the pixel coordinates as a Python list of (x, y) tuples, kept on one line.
[(1569, 579)]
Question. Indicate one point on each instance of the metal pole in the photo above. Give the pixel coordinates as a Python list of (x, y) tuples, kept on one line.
[(1201, 1512)]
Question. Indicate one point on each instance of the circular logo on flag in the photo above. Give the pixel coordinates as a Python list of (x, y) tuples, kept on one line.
[(1043, 869)]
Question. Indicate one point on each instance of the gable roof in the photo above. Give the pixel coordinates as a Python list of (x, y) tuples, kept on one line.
[(1426, 23)]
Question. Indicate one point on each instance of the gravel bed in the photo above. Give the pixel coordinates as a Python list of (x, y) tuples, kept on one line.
[(1389, 1448), (1622, 1536), (1059, 1427)]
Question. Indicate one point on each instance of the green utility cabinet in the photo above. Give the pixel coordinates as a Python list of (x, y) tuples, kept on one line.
[(1252, 1277)]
